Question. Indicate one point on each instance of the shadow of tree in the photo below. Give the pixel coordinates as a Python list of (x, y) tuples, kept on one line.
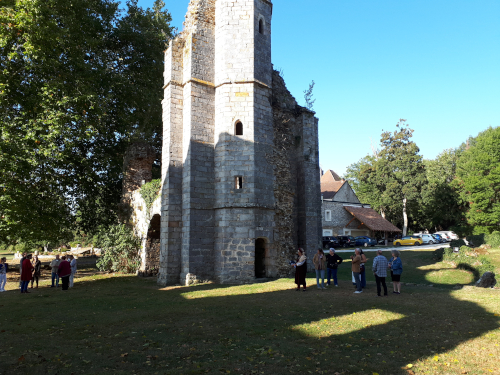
[(245, 329)]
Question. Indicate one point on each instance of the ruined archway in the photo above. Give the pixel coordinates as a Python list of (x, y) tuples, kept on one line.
[(260, 258), (152, 261)]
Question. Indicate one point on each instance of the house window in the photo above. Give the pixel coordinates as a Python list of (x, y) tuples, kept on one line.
[(261, 26), (238, 128), (238, 182), (328, 215)]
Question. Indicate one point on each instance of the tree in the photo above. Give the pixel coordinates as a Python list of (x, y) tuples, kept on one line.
[(441, 206), (478, 177), (401, 170), (78, 81)]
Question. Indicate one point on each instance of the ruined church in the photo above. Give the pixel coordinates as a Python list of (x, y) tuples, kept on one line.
[(240, 171)]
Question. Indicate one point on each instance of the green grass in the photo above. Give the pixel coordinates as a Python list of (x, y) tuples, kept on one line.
[(420, 267), (125, 325)]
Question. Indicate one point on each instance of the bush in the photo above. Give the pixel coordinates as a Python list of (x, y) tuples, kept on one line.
[(438, 254), (457, 243), (476, 240), (120, 250), (493, 239)]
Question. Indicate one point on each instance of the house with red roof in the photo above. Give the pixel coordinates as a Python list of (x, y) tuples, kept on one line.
[(344, 214)]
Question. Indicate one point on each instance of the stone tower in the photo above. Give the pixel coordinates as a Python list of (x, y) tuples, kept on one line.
[(221, 198)]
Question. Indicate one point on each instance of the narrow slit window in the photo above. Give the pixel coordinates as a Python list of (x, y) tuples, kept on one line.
[(238, 128), (261, 26), (238, 182)]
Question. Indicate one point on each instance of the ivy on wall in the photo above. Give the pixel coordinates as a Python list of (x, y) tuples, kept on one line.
[(149, 193)]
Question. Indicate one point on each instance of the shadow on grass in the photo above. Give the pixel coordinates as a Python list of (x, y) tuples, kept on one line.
[(127, 324)]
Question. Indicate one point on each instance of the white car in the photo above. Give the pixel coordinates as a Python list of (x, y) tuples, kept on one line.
[(450, 234)]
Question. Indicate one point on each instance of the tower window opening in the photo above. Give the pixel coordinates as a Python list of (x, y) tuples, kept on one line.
[(261, 26), (238, 128), (238, 182)]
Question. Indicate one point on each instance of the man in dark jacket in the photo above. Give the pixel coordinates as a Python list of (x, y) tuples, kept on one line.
[(332, 263)]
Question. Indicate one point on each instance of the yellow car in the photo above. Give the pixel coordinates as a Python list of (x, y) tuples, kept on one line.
[(408, 240)]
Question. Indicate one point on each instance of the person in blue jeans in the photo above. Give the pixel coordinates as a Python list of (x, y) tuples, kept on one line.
[(332, 263), (54, 265), (364, 259), (396, 266), (319, 261)]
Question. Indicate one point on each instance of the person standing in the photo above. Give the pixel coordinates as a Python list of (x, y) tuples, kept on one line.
[(396, 266), (26, 274), (362, 268), (356, 260), (300, 269), (4, 268), (332, 262), (37, 271), (319, 261), (55, 271), (380, 265), (73, 271), (21, 270), (64, 272)]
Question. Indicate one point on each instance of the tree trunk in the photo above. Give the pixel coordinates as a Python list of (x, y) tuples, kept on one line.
[(382, 212), (405, 217)]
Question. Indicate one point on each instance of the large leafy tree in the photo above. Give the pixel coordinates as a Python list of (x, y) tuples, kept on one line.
[(441, 207), (478, 177), (391, 180), (401, 169), (79, 80)]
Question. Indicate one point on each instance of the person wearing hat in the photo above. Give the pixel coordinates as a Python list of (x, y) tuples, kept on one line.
[(332, 264)]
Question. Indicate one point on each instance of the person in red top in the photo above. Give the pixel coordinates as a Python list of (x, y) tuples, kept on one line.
[(64, 272), (26, 271)]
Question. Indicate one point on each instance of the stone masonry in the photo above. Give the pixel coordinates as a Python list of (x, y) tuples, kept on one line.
[(240, 168)]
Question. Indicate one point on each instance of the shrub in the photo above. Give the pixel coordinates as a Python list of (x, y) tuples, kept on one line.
[(149, 192), (476, 240), (457, 243), (438, 254), (493, 239), (120, 250)]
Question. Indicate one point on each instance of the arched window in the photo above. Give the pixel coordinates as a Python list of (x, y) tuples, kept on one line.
[(238, 128), (261, 26)]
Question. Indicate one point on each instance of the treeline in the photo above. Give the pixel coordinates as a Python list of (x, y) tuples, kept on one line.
[(79, 81), (459, 190)]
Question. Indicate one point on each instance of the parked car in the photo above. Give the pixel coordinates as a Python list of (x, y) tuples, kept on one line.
[(449, 233), (365, 241), (426, 238), (444, 235), (408, 240), (346, 241), (330, 241), (438, 238)]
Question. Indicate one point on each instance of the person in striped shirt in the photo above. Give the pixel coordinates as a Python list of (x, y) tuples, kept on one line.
[(380, 265)]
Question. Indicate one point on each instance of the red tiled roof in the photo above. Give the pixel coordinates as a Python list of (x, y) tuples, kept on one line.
[(330, 184), (371, 219)]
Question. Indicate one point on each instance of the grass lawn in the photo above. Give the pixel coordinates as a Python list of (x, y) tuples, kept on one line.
[(125, 325)]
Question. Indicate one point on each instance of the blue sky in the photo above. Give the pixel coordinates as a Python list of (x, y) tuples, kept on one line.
[(435, 63)]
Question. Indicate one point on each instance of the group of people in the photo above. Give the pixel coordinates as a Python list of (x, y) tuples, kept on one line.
[(31, 270), (331, 261)]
